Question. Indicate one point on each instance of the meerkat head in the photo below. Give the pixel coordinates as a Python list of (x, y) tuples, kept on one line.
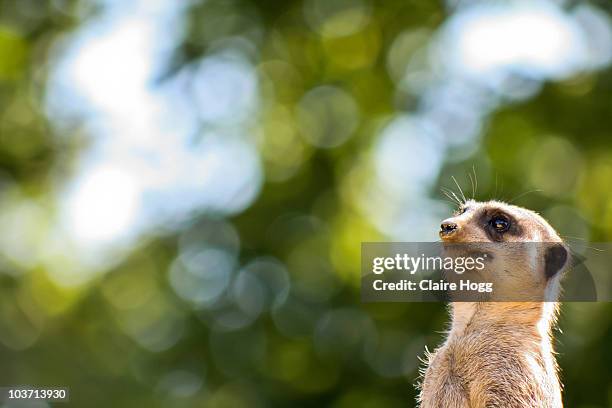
[(525, 257)]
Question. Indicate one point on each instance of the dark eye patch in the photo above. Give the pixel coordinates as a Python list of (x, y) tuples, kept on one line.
[(497, 224)]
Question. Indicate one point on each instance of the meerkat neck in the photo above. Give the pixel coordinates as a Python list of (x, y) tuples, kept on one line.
[(527, 318)]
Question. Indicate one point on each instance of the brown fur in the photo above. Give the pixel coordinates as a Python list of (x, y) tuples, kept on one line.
[(499, 354)]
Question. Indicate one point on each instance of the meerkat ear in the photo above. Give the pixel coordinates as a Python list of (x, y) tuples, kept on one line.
[(554, 260)]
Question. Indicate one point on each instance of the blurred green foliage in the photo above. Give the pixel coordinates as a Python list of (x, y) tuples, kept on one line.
[(127, 339)]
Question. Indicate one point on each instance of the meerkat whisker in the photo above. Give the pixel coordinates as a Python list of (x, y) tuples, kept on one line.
[(459, 187), (453, 198), (571, 237), (537, 190), (473, 188), (459, 202), (475, 181), (452, 201), (567, 237), (458, 199)]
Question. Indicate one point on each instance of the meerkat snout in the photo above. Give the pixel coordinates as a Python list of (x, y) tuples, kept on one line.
[(447, 228), (499, 352)]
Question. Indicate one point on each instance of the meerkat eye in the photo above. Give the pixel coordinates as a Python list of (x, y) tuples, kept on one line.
[(500, 223)]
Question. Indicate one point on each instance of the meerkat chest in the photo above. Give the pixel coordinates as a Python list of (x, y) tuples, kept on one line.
[(487, 369)]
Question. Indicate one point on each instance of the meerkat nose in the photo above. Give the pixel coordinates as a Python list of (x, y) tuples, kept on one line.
[(447, 228)]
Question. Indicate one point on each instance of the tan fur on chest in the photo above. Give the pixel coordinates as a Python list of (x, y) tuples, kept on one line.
[(492, 363)]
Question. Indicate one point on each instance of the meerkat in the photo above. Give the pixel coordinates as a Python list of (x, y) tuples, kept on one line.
[(500, 354)]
